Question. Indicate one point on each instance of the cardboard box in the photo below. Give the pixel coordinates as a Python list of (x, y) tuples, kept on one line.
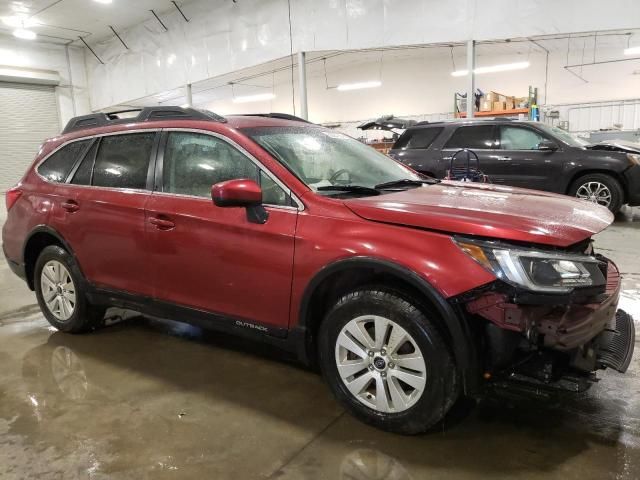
[(498, 106), (485, 105), (491, 97)]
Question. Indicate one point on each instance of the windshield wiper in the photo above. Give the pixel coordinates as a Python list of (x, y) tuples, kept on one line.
[(407, 182), (349, 188)]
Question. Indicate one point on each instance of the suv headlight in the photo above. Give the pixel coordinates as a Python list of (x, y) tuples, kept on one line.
[(533, 269), (634, 158)]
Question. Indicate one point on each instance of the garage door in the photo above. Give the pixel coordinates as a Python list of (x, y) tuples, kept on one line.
[(28, 115)]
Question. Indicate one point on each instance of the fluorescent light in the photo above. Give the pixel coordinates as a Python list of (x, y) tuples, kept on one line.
[(24, 34), (103, 1), (260, 97), (503, 67), (632, 51), (357, 86)]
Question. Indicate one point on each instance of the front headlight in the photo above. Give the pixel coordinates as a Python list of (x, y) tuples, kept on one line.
[(536, 270)]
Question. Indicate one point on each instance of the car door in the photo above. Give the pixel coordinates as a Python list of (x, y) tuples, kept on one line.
[(481, 140), (102, 211), (526, 165), (213, 258)]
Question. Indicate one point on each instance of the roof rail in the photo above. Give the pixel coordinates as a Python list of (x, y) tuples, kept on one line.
[(146, 114), (282, 116)]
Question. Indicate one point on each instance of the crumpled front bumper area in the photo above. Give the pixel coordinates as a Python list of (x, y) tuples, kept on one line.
[(579, 336)]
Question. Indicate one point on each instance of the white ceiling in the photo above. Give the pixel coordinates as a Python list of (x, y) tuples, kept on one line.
[(64, 20)]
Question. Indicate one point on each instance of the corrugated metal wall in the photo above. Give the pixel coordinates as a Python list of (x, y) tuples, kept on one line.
[(28, 115), (587, 117)]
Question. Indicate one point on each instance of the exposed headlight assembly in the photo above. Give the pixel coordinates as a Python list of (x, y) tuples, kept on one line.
[(634, 158), (533, 269)]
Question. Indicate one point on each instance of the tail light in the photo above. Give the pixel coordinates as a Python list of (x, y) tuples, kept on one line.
[(12, 196)]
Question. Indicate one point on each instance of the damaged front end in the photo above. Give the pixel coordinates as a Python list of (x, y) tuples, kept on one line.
[(549, 323)]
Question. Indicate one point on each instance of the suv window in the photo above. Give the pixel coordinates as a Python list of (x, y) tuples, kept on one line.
[(82, 175), (194, 161), (476, 136), (519, 138), (417, 138), (57, 166), (123, 161)]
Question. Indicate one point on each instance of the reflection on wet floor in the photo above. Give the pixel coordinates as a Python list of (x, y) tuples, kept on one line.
[(150, 399)]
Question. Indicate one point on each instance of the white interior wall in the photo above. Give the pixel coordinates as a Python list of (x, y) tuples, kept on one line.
[(422, 84), (225, 36), (72, 92)]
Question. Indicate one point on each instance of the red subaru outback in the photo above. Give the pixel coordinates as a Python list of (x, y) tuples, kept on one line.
[(406, 291)]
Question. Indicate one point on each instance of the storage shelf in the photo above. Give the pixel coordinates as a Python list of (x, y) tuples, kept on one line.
[(496, 113)]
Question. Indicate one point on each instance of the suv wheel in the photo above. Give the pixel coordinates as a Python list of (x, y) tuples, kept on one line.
[(59, 290), (386, 362), (599, 188)]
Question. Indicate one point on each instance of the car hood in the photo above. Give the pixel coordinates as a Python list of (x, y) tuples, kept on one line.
[(489, 211), (616, 146)]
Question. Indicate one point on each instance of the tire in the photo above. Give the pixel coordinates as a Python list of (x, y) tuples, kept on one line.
[(60, 290), (609, 190), (413, 409)]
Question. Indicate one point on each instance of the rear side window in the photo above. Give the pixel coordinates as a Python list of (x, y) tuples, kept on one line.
[(57, 166), (418, 138), (123, 161), (476, 136), (82, 175), (193, 162)]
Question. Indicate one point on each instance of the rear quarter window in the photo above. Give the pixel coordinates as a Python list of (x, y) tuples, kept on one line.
[(56, 168), (417, 138)]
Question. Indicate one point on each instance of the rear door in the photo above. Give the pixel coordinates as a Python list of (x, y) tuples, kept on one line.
[(481, 140), (101, 212), (527, 166)]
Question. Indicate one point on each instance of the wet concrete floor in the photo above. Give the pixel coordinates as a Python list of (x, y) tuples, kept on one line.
[(145, 399)]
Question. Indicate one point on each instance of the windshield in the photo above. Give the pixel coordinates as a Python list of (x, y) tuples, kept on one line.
[(323, 158), (565, 136)]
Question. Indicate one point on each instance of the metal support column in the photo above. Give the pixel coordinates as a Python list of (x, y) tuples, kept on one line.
[(189, 95), (302, 80), (471, 86)]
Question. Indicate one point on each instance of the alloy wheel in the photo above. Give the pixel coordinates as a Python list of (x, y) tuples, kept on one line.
[(58, 290), (595, 192), (380, 364)]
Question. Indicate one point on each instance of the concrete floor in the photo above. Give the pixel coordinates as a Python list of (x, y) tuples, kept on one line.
[(149, 399)]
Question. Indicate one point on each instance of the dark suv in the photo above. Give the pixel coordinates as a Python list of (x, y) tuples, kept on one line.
[(526, 154), (406, 291)]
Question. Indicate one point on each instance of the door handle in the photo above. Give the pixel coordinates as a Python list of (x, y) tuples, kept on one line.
[(161, 223), (70, 206), (504, 159)]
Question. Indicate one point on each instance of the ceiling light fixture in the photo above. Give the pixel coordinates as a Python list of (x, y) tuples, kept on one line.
[(24, 34), (503, 67), (632, 50), (103, 1), (260, 97), (357, 86)]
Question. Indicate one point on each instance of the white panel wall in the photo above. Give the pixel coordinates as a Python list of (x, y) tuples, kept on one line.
[(226, 36), (72, 93)]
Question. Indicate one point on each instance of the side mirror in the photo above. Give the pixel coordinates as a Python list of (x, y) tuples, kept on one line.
[(241, 193), (236, 193), (547, 146)]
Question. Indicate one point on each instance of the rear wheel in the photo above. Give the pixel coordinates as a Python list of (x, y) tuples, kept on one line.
[(599, 188), (60, 292), (386, 362)]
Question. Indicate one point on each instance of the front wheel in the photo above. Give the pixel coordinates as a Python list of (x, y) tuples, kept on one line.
[(386, 362), (599, 188), (59, 290)]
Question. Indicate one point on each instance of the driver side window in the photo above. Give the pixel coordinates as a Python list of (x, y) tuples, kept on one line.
[(519, 138), (193, 162)]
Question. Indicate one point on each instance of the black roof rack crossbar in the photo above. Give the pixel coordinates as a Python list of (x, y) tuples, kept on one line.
[(146, 114)]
